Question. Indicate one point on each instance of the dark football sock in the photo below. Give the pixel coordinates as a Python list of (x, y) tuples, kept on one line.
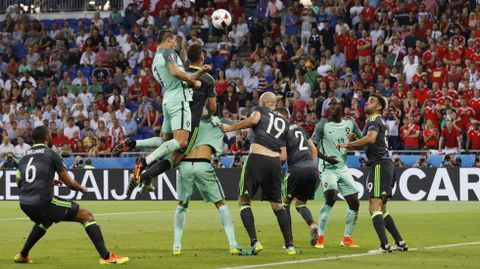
[(379, 225), (287, 209), (249, 223), (95, 234), (306, 214), (38, 231), (392, 229), (285, 226), (154, 170)]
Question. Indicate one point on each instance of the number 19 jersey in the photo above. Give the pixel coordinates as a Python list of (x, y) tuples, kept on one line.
[(174, 90), (271, 131), (35, 173), (329, 134)]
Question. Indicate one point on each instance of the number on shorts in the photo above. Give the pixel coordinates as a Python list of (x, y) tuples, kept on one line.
[(278, 123), (301, 146), (370, 186), (30, 171)]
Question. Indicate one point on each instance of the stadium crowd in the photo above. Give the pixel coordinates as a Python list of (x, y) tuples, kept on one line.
[(89, 80)]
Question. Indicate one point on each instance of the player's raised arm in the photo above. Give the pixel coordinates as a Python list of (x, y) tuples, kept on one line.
[(243, 124)]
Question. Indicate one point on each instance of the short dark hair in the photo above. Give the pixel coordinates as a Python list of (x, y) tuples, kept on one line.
[(164, 35), (39, 134), (194, 52), (381, 101)]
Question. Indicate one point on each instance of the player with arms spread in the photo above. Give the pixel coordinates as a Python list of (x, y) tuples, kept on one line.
[(196, 173), (204, 95), (381, 173), (335, 176), (35, 180), (169, 72), (302, 178), (263, 168)]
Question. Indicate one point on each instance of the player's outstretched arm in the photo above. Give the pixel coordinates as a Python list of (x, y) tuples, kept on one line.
[(368, 139), (243, 124), (70, 183)]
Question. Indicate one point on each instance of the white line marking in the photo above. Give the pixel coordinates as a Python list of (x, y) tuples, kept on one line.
[(345, 256), (101, 214)]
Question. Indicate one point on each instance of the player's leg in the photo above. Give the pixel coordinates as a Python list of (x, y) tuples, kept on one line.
[(271, 182), (287, 197), (330, 190), (185, 189), (387, 173), (94, 232), (247, 188), (346, 186), (375, 206), (307, 182), (37, 232)]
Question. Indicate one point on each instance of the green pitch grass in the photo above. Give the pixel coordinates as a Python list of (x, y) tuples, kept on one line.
[(147, 236)]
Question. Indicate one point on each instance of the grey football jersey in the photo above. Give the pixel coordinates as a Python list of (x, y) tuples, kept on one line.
[(298, 154), (36, 171), (271, 131), (378, 150)]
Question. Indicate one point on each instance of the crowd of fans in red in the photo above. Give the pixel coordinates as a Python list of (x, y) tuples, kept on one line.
[(90, 80)]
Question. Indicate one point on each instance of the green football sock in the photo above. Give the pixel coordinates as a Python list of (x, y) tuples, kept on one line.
[(323, 219), (153, 142), (166, 148), (227, 225), (178, 225), (350, 222)]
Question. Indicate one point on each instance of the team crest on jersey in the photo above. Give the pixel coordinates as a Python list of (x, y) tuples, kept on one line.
[(171, 56), (347, 130)]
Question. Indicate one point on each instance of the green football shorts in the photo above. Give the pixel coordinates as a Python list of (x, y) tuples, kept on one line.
[(339, 179), (176, 116), (198, 176)]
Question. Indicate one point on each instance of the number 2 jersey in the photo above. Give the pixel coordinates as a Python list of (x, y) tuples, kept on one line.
[(272, 129), (298, 154), (329, 134), (379, 150), (35, 174)]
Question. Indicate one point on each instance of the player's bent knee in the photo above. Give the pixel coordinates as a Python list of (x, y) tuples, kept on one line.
[(276, 206), (220, 203), (352, 201), (84, 215), (330, 197), (182, 204)]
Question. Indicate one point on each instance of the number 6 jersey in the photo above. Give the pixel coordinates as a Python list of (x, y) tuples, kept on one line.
[(271, 131), (35, 174)]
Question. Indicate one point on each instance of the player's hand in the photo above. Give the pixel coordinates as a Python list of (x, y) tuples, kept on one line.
[(331, 160), (224, 127), (83, 189), (351, 136), (342, 145), (206, 68), (197, 84), (56, 182)]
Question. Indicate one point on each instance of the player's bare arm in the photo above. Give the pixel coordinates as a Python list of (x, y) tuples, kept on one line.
[(313, 150), (243, 124), (70, 183), (330, 159), (211, 105), (283, 154), (368, 139), (173, 68)]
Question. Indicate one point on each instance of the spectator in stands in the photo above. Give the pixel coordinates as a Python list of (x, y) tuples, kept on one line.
[(237, 161), (6, 147), (411, 134), (422, 161), (473, 136), (21, 148), (10, 162), (476, 162), (397, 162), (430, 136), (450, 138)]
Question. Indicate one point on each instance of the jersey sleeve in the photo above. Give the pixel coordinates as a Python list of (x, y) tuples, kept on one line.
[(210, 86), (374, 125), (318, 133), (356, 130), (170, 56), (58, 163)]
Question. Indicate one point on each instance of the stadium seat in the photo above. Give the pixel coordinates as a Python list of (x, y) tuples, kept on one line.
[(20, 50), (86, 70), (72, 22), (227, 161), (409, 160), (435, 160), (353, 161), (467, 159), (47, 23)]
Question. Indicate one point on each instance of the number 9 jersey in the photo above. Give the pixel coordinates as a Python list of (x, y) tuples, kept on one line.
[(272, 129), (35, 174)]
